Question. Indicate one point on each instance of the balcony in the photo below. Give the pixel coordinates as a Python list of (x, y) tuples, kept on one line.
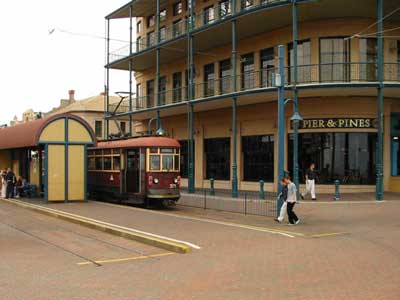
[(221, 12), (262, 80)]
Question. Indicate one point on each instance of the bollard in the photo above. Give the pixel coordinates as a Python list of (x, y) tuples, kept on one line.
[(212, 190), (261, 193), (337, 190)]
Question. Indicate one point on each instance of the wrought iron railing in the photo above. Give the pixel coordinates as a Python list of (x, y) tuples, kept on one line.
[(338, 73), (206, 17)]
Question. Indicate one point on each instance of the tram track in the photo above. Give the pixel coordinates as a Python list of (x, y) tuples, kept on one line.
[(65, 229)]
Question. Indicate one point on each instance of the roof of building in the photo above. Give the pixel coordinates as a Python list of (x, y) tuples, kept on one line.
[(94, 104), (27, 134), (149, 141)]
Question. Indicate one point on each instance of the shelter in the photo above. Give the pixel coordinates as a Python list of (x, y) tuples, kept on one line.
[(51, 153)]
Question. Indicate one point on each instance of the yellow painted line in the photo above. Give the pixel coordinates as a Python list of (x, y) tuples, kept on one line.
[(206, 220), (108, 261), (128, 233), (327, 234)]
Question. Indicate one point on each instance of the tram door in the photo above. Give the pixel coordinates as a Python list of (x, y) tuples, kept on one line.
[(132, 170)]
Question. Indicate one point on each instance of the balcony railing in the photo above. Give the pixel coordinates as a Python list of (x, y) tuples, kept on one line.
[(206, 17), (338, 73)]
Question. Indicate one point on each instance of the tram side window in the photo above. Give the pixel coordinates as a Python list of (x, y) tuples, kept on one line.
[(176, 162), (154, 162), (116, 162), (99, 163), (107, 163), (91, 163)]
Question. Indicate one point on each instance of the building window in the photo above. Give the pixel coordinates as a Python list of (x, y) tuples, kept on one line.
[(162, 87), (177, 8), (185, 157), (225, 73), (303, 62), (209, 80), (139, 44), (246, 4), (334, 59), (151, 21), (247, 71), (368, 59), (348, 157), (177, 87), (150, 93), (163, 14), (224, 8), (187, 82), (98, 128), (151, 39), (139, 96), (123, 127), (267, 60), (177, 28), (217, 155), (258, 158), (189, 3), (139, 27), (209, 15), (162, 34)]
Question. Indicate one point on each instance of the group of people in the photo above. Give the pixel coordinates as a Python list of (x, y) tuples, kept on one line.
[(289, 195), (10, 185)]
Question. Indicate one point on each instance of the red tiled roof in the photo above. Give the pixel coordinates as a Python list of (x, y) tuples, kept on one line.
[(140, 142)]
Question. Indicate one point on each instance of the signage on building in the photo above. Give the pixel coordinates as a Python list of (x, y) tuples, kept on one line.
[(337, 123)]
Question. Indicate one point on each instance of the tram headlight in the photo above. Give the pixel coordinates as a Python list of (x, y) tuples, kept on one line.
[(176, 180), (156, 181)]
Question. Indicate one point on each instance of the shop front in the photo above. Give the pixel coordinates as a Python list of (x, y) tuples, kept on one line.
[(395, 152)]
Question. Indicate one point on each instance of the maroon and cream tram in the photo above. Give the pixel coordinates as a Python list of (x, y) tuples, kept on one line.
[(135, 170)]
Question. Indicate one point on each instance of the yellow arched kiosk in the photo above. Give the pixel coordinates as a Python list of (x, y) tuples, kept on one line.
[(50, 152)]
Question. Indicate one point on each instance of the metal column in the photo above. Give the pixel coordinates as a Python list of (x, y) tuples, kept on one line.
[(158, 62), (296, 101), (107, 80), (130, 71), (379, 154), (281, 117), (234, 110), (191, 177)]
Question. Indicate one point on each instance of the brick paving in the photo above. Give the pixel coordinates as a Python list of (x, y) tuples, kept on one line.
[(233, 262)]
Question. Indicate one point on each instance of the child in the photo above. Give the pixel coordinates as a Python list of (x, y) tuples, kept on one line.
[(282, 197)]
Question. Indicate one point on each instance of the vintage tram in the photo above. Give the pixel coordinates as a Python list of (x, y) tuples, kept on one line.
[(140, 170)]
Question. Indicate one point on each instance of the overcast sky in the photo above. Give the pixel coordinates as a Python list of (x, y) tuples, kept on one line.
[(37, 68)]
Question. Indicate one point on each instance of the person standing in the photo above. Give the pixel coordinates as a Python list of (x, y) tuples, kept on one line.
[(311, 176), (291, 201), (3, 183), (282, 197), (10, 179)]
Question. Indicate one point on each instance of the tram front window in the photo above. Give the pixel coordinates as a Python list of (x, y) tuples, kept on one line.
[(154, 162), (168, 162)]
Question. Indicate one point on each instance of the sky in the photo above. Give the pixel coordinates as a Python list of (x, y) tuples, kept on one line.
[(37, 68)]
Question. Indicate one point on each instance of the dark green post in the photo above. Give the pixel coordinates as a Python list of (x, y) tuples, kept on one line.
[(212, 190), (296, 103), (130, 70), (107, 81), (337, 190), (191, 178), (379, 154), (158, 54), (234, 112), (261, 193)]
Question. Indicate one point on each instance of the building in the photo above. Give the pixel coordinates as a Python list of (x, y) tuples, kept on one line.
[(206, 69), (92, 111), (28, 116)]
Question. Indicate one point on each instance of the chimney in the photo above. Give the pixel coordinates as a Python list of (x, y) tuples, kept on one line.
[(71, 96)]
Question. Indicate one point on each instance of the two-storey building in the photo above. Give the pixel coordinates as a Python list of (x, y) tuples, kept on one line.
[(206, 68)]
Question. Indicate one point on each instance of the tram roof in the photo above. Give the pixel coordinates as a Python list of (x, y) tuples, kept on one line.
[(149, 141)]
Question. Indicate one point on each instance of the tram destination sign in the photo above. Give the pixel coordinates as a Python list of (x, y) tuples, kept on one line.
[(337, 123)]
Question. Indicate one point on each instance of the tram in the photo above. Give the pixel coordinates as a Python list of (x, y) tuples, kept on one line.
[(142, 170)]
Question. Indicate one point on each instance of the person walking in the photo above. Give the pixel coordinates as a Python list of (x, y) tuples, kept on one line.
[(10, 179), (291, 201), (282, 197), (311, 176)]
